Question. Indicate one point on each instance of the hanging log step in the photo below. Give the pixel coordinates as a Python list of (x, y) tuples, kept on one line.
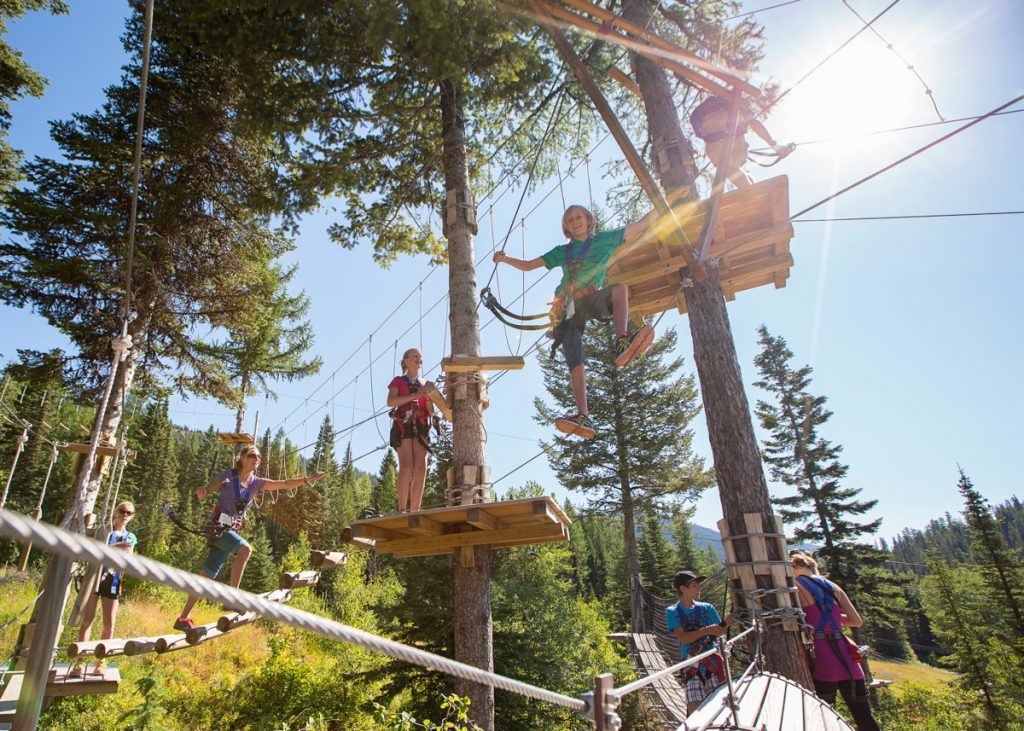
[(327, 559), (298, 579), (233, 620), (464, 363)]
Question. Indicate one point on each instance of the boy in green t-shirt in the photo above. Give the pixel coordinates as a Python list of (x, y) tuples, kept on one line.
[(582, 296)]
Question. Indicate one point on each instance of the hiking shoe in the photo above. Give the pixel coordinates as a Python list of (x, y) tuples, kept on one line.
[(100, 668), (578, 424), (77, 670), (184, 624), (629, 346)]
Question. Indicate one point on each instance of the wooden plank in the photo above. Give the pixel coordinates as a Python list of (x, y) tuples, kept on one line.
[(437, 398), (465, 363), (758, 548), (624, 79), (59, 685), (543, 512), (234, 438), (467, 557), (510, 511), (375, 532)]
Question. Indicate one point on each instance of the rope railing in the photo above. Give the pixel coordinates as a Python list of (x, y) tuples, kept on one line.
[(80, 548)]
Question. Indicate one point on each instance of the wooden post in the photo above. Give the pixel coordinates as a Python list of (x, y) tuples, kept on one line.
[(721, 176), (602, 686), (742, 487), (472, 602)]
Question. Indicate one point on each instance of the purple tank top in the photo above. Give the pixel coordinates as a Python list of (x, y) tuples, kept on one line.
[(827, 666)]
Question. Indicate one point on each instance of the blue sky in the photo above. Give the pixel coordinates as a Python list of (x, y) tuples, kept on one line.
[(911, 326)]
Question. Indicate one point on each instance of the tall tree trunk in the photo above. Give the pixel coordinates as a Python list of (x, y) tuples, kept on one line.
[(473, 642), (742, 487)]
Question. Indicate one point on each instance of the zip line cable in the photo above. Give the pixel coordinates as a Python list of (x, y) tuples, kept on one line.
[(910, 66), (829, 57), (922, 125), (910, 216), (916, 152), (760, 10)]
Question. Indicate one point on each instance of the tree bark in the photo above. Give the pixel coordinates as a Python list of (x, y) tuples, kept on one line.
[(473, 625), (742, 487)]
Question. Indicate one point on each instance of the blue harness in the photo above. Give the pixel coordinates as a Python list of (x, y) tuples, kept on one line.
[(825, 600)]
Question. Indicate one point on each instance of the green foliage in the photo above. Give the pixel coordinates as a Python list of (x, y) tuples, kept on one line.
[(454, 707), (261, 573), (658, 560)]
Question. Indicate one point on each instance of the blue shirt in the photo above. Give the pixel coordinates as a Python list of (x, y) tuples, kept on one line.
[(700, 615)]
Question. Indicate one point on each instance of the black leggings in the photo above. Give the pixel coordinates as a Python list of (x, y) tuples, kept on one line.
[(855, 695)]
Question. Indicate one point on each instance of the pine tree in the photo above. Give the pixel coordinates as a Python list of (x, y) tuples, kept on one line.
[(642, 459), (1002, 570), (17, 80), (261, 573), (657, 558), (821, 510), (384, 499), (964, 622), (151, 479), (682, 536)]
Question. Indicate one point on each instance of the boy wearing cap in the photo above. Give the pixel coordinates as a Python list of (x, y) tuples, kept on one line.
[(695, 624)]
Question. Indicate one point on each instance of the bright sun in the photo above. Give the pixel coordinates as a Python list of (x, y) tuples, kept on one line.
[(864, 88)]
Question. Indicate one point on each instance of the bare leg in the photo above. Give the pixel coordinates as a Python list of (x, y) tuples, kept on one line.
[(405, 473), (238, 566), (88, 615), (579, 388), (620, 309), (192, 600), (419, 475), (740, 178), (110, 607)]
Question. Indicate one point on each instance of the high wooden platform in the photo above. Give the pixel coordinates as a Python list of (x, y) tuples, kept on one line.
[(751, 238), (234, 438), (451, 529), (768, 702)]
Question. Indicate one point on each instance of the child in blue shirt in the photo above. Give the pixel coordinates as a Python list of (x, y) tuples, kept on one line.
[(696, 624)]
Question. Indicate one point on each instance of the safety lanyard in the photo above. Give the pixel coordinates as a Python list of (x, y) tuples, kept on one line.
[(571, 259)]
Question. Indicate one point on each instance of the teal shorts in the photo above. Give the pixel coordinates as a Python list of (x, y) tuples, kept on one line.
[(222, 549)]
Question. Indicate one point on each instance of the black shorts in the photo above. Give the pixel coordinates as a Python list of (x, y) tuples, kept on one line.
[(409, 430), (108, 589)]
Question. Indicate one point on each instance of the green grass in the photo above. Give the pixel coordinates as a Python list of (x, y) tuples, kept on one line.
[(911, 672)]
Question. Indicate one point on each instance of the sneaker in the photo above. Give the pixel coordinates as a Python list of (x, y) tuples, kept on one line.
[(578, 424), (77, 670), (184, 624), (628, 347), (100, 668)]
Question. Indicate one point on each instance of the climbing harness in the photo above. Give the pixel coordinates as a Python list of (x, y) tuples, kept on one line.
[(413, 419), (711, 665), (827, 628)]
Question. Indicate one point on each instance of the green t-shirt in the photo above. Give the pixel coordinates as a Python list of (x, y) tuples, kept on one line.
[(587, 268)]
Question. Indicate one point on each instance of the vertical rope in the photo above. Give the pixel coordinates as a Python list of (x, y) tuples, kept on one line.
[(590, 189), (17, 454)]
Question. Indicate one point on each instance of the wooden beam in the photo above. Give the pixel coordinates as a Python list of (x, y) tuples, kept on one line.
[(480, 518), (624, 79), (423, 525), (642, 34), (465, 363), (644, 177), (361, 530), (543, 511), (102, 450), (348, 537), (467, 557), (234, 438)]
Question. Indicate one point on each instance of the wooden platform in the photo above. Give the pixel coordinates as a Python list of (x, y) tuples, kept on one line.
[(769, 702), (446, 530), (756, 218), (234, 438), (58, 686)]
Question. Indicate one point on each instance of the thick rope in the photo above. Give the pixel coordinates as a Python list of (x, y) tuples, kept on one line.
[(80, 548)]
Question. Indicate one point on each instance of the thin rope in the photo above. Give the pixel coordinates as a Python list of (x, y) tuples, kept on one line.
[(14, 465), (910, 216), (80, 548)]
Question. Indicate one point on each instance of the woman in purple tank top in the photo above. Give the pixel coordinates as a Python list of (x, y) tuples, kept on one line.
[(828, 609)]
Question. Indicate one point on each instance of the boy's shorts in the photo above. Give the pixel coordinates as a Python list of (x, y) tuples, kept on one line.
[(595, 306), (699, 686), (221, 550)]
